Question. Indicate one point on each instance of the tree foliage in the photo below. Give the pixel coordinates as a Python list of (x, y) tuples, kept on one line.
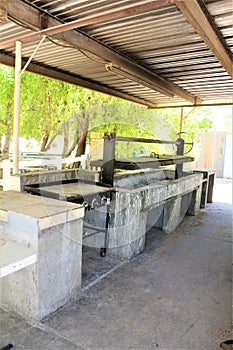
[(194, 119), (56, 112), (6, 108), (45, 104)]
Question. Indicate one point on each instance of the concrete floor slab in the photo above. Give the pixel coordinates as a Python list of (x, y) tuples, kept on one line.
[(30, 337), (176, 295), (222, 191)]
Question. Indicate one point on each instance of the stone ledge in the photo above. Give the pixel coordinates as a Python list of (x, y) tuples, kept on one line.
[(14, 257)]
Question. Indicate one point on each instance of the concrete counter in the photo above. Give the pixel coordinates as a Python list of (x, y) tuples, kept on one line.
[(54, 230), (130, 209)]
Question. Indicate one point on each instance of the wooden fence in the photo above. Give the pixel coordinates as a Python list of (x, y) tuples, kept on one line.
[(216, 153)]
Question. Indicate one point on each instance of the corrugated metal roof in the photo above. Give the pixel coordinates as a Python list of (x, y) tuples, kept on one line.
[(162, 40)]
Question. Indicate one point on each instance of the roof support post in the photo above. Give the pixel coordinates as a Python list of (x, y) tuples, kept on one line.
[(181, 118), (18, 64)]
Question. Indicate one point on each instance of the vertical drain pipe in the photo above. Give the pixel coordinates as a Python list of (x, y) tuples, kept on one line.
[(18, 64)]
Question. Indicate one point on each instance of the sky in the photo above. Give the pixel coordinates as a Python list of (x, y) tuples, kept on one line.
[(222, 118)]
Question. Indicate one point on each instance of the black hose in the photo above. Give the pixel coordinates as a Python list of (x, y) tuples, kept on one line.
[(7, 347)]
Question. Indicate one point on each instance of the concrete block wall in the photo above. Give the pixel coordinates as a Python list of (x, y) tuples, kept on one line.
[(54, 229), (129, 210), (18, 181), (127, 226)]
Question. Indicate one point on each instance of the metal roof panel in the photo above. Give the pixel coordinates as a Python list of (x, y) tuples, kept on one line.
[(160, 40)]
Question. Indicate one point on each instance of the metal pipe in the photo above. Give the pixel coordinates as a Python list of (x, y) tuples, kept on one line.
[(18, 63), (181, 118), (93, 19), (157, 86), (135, 139), (32, 55), (179, 152), (195, 105)]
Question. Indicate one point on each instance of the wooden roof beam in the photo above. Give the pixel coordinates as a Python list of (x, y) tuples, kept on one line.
[(127, 10), (32, 17), (199, 17), (75, 80)]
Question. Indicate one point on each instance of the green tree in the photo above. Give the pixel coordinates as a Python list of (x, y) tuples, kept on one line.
[(45, 104), (194, 119), (50, 108), (6, 108)]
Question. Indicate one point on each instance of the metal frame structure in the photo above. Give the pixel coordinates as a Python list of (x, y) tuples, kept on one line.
[(148, 52), (52, 26), (110, 163)]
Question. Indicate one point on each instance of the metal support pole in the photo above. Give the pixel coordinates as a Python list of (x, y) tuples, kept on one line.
[(32, 55), (179, 152), (107, 177), (181, 118), (18, 64)]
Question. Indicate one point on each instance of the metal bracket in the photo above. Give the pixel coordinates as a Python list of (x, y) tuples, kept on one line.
[(179, 152), (32, 55), (43, 21), (3, 16), (107, 171)]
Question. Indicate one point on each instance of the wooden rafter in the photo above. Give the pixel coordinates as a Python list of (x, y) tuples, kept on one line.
[(31, 17), (70, 79), (199, 17)]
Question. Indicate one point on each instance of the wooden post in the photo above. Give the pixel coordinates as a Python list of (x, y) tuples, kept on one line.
[(18, 63), (181, 118)]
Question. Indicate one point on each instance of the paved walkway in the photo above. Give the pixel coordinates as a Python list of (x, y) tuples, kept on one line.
[(223, 191), (174, 296)]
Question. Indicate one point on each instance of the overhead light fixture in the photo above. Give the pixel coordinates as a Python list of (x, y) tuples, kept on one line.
[(122, 72)]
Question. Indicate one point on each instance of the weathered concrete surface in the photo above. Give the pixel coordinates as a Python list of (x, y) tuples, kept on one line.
[(138, 193), (143, 177), (176, 295), (195, 202), (172, 217), (129, 209), (54, 230), (130, 206), (207, 186), (18, 181)]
